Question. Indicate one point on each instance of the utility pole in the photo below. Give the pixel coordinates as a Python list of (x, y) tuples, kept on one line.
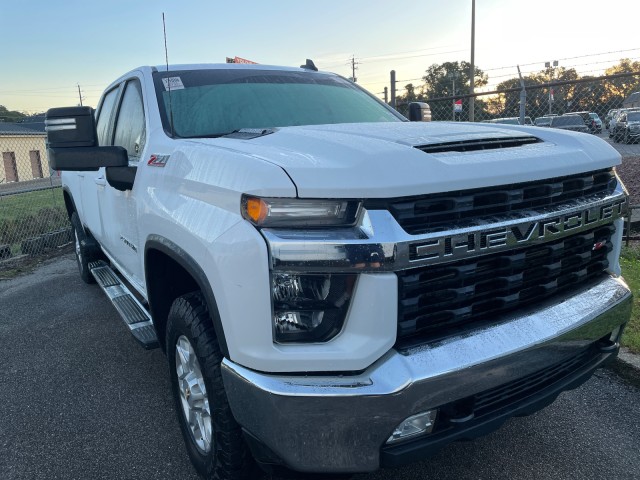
[(523, 97), (353, 69), (453, 75), (79, 95), (393, 88), (551, 68), (472, 68)]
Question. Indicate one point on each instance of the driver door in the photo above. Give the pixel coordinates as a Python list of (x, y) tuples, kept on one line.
[(119, 209)]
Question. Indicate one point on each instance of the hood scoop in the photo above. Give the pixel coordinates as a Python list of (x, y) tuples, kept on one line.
[(478, 144)]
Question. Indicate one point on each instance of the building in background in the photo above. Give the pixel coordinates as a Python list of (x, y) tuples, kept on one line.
[(24, 154)]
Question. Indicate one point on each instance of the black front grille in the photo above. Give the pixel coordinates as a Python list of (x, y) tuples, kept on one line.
[(439, 211), (517, 390), (493, 401), (442, 300)]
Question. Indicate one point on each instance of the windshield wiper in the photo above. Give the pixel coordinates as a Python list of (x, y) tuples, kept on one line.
[(249, 133), (241, 134)]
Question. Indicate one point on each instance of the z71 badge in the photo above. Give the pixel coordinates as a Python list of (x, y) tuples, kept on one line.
[(158, 160)]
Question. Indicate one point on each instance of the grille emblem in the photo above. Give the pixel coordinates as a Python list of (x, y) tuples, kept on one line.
[(598, 245)]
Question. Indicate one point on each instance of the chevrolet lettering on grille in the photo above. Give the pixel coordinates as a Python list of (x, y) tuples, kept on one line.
[(513, 235)]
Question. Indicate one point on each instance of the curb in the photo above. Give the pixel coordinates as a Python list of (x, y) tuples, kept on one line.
[(627, 365)]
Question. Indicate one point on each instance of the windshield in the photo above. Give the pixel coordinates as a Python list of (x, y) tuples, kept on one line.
[(633, 117), (565, 121), (594, 116), (217, 101)]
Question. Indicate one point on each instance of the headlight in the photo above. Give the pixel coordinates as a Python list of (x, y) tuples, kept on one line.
[(310, 308), (295, 212), (634, 128)]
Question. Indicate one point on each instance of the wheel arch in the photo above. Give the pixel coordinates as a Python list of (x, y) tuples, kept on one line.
[(171, 272), (69, 203)]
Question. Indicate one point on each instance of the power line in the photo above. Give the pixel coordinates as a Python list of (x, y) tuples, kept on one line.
[(411, 51), (70, 87), (566, 58), (417, 56)]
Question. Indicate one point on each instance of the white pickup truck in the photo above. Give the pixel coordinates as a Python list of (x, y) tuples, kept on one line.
[(338, 289)]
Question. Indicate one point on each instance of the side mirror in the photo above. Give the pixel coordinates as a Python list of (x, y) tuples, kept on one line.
[(72, 141), (419, 112), (71, 127)]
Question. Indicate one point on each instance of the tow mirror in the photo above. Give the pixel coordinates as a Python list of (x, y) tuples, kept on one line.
[(72, 141), (71, 127), (419, 112)]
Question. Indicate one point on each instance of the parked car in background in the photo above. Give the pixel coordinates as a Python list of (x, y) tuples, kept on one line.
[(627, 127), (543, 121), (596, 123), (610, 114), (616, 118), (569, 122), (593, 124), (614, 121)]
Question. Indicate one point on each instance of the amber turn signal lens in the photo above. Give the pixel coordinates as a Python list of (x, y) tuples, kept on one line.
[(257, 209)]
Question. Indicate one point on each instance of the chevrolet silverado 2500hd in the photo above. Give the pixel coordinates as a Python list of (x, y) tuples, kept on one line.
[(337, 289)]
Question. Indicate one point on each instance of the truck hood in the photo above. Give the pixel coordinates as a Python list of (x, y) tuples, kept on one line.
[(381, 160)]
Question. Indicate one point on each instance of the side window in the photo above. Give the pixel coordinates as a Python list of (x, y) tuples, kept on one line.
[(103, 118), (130, 130)]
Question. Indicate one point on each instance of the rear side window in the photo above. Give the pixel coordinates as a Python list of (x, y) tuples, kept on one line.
[(103, 117), (130, 126)]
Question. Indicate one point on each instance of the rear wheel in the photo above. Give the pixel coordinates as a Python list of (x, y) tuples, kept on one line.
[(213, 438)]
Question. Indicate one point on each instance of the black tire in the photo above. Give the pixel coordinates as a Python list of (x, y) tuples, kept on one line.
[(228, 457), (626, 137), (84, 255)]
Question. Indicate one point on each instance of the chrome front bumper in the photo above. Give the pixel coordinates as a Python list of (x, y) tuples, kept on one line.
[(340, 423)]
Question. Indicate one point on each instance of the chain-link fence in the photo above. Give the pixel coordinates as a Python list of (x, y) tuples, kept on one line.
[(597, 95), (32, 213)]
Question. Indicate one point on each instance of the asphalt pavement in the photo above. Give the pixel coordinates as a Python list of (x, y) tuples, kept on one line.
[(79, 399)]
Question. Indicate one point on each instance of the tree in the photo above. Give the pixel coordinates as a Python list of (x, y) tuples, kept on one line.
[(537, 87), (7, 115), (439, 79), (410, 94), (624, 86)]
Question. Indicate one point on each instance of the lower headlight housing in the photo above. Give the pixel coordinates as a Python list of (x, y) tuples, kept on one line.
[(310, 308)]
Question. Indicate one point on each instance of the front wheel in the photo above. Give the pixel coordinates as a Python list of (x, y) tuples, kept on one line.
[(213, 438), (626, 137)]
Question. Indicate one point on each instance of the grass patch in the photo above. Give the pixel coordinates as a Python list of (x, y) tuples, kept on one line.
[(630, 262), (20, 205), (27, 215)]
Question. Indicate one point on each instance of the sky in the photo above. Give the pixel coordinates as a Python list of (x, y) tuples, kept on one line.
[(51, 47)]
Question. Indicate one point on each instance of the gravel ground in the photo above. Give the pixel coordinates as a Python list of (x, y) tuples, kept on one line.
[(629, 172)]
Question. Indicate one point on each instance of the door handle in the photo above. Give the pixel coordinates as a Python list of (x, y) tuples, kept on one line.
[(100, 181)]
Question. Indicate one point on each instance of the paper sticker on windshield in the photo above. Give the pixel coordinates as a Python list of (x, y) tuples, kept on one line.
[(172, 83)]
